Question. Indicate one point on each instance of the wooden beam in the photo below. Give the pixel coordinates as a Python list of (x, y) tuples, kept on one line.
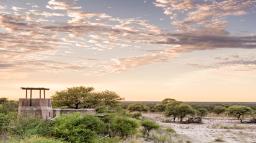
[(34, 88), (26, 94), (30, 100)]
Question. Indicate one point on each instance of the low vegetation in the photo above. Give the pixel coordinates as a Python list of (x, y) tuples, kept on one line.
[(112, 123)]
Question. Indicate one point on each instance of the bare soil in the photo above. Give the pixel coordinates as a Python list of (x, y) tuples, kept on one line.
[(213, 130)]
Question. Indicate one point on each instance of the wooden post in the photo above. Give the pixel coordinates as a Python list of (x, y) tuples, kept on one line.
[(44, 94), (40, 94), (30, 103), (26, 94)]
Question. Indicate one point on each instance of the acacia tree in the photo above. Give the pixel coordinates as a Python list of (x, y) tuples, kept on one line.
[(107, 98), (239, 111), (138, 107), (183, 110), (172, 110), (72, 97), (167, 101), (201, 112), (219, 109)]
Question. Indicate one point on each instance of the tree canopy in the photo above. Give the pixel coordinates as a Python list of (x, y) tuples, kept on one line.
[(84, 97)]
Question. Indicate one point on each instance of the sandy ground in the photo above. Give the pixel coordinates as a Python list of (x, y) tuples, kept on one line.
[(212, 130)]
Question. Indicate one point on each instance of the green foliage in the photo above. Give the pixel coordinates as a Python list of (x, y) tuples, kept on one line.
[(184, 110), (136, 115), (201, 112), (123, 126), (23, 127), (239, 111), (172, 110), (138, 107), (159, 108), (148, 125), (76, 128), (84, 97), (167, 101), (36, 139), (72, 97), (178, 109), (4, 123), (219, 110), (102, 109), (107, 98), (8, 106)]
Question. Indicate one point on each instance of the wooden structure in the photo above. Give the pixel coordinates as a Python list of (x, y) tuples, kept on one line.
[(36, 107)]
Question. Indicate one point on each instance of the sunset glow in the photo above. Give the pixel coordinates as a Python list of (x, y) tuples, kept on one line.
[(190, 50)]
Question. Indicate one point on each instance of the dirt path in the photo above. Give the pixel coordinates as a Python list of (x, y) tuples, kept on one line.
[(212, 130)]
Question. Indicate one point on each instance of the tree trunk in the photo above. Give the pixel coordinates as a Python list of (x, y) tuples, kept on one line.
[(181, 119), (77, 105)]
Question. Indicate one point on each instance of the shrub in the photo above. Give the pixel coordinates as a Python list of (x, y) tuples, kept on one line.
[(219, 110), (138, 107), (148, 125), (78, 128), (159, 108), (123, 126), (102, 109), (136, 115), (30, 126), (239, 111), (202, 112)]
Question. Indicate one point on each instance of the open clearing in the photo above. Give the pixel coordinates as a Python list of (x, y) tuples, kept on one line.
[(213, 129)]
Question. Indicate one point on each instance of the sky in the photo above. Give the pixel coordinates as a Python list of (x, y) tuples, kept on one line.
[(145, 50)]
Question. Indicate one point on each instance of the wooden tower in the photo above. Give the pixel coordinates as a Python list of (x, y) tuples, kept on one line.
[(35, 107)]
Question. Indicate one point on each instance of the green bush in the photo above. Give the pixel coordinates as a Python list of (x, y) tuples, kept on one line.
[(136, 115), (123, 126), (23, 127), (148, 125), (201, 112), (239, 111), (138, 107), (219, 110), (159, 108), (76, 128)]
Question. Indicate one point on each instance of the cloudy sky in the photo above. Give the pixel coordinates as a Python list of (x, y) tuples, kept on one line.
[(190, 50)]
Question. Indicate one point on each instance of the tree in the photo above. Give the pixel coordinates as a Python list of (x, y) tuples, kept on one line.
[(183, 110), (239, 111), (72, 97), (138, 107), (108, 98), (202, 112), (148, 125), (219, 110), (167, 101), (159, 108), (172, 110)]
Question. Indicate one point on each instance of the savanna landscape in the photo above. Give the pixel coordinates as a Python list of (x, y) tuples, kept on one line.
[(127, 71), (114, 121)]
